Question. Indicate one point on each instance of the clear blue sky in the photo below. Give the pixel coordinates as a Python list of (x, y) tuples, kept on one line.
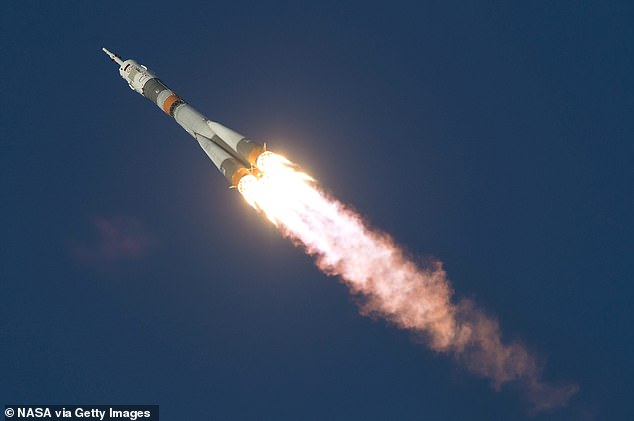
[(497, 137)]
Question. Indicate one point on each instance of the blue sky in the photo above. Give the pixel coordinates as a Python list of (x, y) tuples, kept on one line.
[(496, 137)]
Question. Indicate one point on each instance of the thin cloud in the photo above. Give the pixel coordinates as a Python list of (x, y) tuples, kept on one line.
[(113, 239)]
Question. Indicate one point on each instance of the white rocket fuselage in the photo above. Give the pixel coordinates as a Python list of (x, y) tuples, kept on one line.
[(233, 154)]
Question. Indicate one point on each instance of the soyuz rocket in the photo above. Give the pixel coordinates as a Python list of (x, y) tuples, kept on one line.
[(233, 154)]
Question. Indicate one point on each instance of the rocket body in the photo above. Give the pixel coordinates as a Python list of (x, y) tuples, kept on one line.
[(233, 154)]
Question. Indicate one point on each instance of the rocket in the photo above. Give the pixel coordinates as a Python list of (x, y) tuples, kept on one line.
[(233, 154)]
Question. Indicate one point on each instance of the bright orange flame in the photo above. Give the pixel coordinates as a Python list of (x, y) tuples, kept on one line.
[(392, 285), (280, 189)]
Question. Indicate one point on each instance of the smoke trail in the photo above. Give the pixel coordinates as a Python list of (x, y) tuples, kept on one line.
[(391, 285)]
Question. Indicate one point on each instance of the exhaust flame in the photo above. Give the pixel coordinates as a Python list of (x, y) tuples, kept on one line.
[(390, 284)]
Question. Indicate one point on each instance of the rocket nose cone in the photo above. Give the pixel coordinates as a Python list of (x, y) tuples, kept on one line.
[(113, 56)]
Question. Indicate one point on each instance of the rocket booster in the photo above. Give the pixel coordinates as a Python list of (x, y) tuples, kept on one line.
[(233, 154)]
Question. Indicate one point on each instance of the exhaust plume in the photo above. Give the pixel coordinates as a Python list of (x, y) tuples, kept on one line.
[(390, 284)]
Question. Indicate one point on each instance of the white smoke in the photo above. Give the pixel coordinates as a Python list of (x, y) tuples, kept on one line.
[(392, 286)]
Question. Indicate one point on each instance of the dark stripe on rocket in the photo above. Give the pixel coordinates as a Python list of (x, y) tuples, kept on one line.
[(153, 89)]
